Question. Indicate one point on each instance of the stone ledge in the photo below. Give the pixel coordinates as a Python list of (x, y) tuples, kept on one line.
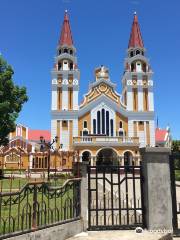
[(155, 150), (59, 232)]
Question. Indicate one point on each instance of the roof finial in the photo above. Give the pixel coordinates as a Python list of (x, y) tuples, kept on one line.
[(66, 11), (135, 13)]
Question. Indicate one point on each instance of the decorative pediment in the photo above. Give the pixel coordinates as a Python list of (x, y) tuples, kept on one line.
[(102, 88), (16, 150)]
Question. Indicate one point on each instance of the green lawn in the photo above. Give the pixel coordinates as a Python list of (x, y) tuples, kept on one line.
[(8, 185)]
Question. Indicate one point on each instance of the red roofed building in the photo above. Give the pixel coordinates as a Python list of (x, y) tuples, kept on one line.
[(163, 137), (34, 135)]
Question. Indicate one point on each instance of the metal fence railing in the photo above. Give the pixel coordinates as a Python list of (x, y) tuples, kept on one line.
[(37, 205)]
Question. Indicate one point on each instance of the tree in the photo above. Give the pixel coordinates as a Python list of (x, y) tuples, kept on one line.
[(176, 146), (176, 151), (12, 98)]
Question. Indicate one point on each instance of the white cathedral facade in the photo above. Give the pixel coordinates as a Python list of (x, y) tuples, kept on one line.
[(107, 125)]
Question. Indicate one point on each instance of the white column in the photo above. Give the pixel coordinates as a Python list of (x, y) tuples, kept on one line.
[(151, 100), (75, 100), (54, 100), (152, 133), (30, 161), (53, 129), (64, 99), (130, 128), (130, 100), (65, 138), (145, 134), (75, 128), (140, 99)]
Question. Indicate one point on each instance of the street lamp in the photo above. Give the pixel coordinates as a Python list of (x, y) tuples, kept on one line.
[(48, 145)]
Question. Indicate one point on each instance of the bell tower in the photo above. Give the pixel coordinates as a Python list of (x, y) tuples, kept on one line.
[(65, 89), (138, 93)]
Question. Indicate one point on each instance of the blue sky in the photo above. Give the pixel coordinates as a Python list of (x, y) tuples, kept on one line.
[(101, 28)]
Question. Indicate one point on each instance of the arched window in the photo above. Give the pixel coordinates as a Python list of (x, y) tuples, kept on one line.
[(12, 157), (59, 65), (137, 52), (59, 51), (107, 123), (94, 126), (85, 124), (144, 67), (120, 124), (138, 66), (98, 122), (71, 66), (132, 67), (131, 54), (112, 127), (103, 121), (65, 50), (71, 52)]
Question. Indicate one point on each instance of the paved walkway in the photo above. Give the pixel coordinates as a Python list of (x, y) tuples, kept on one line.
[(117, 235)]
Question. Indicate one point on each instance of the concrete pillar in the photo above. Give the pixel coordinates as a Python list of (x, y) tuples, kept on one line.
[(84, 194), (157, 188)]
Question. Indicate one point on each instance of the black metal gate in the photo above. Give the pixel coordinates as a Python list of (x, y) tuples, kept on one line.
[(115, 197), (175, 190)]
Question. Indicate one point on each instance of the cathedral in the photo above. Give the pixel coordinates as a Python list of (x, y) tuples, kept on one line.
[(107, 127)]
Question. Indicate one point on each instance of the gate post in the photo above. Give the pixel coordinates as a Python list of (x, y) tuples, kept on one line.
[(84, 194), (157, 188)]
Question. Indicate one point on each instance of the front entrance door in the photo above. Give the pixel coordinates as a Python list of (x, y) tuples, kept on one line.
[(106, 156)]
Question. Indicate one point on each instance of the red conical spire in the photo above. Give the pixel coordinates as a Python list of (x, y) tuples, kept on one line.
[(66, 36), (135, 38)]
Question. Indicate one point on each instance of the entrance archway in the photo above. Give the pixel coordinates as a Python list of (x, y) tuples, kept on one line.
[(107, 156)]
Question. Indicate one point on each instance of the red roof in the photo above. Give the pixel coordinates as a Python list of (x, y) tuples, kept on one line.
[(161, 135), (66, 36), (34, 135), (135, 37)]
